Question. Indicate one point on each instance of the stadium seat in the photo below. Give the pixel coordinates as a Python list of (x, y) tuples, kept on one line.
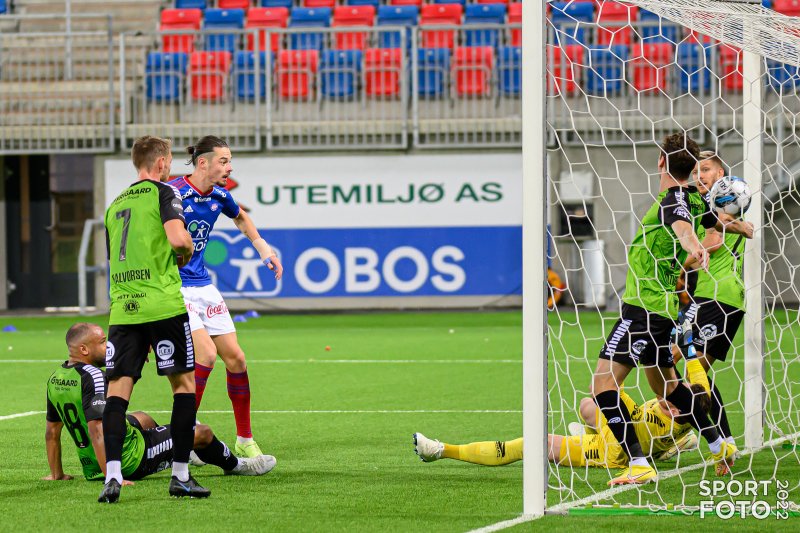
[(564, 65), (438, 14), (472, 70), (405, 2), (352, 16), (303, 17), (650, 65), (787, 7), (483, 14), (3, 7), (692, 61), (340, 72), (180, 19), (515, 17), (655, 29), (396, 16), (730, 65), (288, 4), (509, 70), (766, 3), (383, 68), (614, 23), (319, 3), (462, 2), (244, 75), (191, 4), (606, 71), (491, 1), (266, 17), (164, 73), (233, 4), (208, 75), (296, 72), (570, 20), (782, 77), (433, 71), (223, 19), (374, 3)]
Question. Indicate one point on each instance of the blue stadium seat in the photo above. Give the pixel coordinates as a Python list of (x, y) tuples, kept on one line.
[(606, 71), (396, 16), (767, 3), (509, 70), (570, 20), (433, 71), (375, 3), (223, 19), (3, 6), (308, 17), (191, 4), (244, 75), (164, 74), (288, 4), (693, 72), (655, 29), (782, 77), (462, 2), (483, 14), (339, 72)]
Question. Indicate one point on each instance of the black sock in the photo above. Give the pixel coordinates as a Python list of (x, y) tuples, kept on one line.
[(182, 425), (682, 398), (619, 422), (718, 413), (217, 454), (114, 427)]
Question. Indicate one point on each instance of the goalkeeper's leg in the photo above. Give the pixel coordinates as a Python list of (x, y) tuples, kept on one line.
[(488, 453)]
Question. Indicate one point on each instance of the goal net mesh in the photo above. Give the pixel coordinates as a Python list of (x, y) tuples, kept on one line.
[(620, 77)]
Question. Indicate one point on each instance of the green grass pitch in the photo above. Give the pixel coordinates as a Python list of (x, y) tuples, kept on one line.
[(340, 423)]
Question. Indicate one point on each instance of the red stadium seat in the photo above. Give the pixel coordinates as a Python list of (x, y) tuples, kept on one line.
[(180, 19), (564, 67), (472, 70), (353, 16), (383, 69), (319, 3), (234, 4), (296, 72), (787, 7), (730, 62), (619, 17), (650, 64), (432, 14), (491, 1), (208, 75), (266, 17), (515, 17)]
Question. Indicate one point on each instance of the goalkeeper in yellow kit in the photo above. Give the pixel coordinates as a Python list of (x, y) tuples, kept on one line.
[(662, 431)]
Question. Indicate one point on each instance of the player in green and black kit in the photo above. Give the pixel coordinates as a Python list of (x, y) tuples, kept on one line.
[(147, 242), (76, 399), (650, 306)]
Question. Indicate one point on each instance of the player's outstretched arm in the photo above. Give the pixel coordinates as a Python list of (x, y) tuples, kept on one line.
[(734, 225), (684, 231), (52, 437), (268, 256), (180, 240)]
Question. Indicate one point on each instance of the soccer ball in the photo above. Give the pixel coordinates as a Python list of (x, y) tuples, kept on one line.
[(730, 195)]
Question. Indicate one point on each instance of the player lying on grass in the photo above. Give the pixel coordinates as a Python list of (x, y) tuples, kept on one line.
[(76, 399), (716, 309), (663, 433)]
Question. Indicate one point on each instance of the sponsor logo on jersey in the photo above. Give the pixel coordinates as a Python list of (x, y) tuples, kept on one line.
[(165, 350), (64, 382), (188, 209), (131, 307), (99, 402), (615, 420), (708, 331), (219, 309), (201, 199), (131, 275), (639, 346), (110, 351), (214, 207)]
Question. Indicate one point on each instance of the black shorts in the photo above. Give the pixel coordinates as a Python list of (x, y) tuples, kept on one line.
[(170, 339), (714, 325), (640, 337), (157, 451)]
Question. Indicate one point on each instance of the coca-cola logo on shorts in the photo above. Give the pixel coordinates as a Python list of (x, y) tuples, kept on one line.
[(219, 309)]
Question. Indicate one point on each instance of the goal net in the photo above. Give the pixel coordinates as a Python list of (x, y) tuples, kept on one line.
[(619, 78)]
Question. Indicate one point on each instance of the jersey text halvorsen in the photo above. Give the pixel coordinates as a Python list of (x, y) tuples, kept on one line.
[(131, 275)]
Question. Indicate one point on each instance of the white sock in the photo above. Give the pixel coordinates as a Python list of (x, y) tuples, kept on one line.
[(181, 471), (716, 445), (114, 471), (238, 466), (244, 440), (639, 461), (730, 440)]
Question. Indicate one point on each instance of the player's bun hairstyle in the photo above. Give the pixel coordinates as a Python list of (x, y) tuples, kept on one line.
[(681, 154), (706, 155), (146, 150), (204, 146), (701, 399)]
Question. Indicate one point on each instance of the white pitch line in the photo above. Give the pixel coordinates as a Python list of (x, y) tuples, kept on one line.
[(560, 508), (361, 411), (330, 361), (20, 415)]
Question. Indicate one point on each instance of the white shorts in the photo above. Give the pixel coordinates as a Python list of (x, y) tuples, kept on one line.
[(207, 310)]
